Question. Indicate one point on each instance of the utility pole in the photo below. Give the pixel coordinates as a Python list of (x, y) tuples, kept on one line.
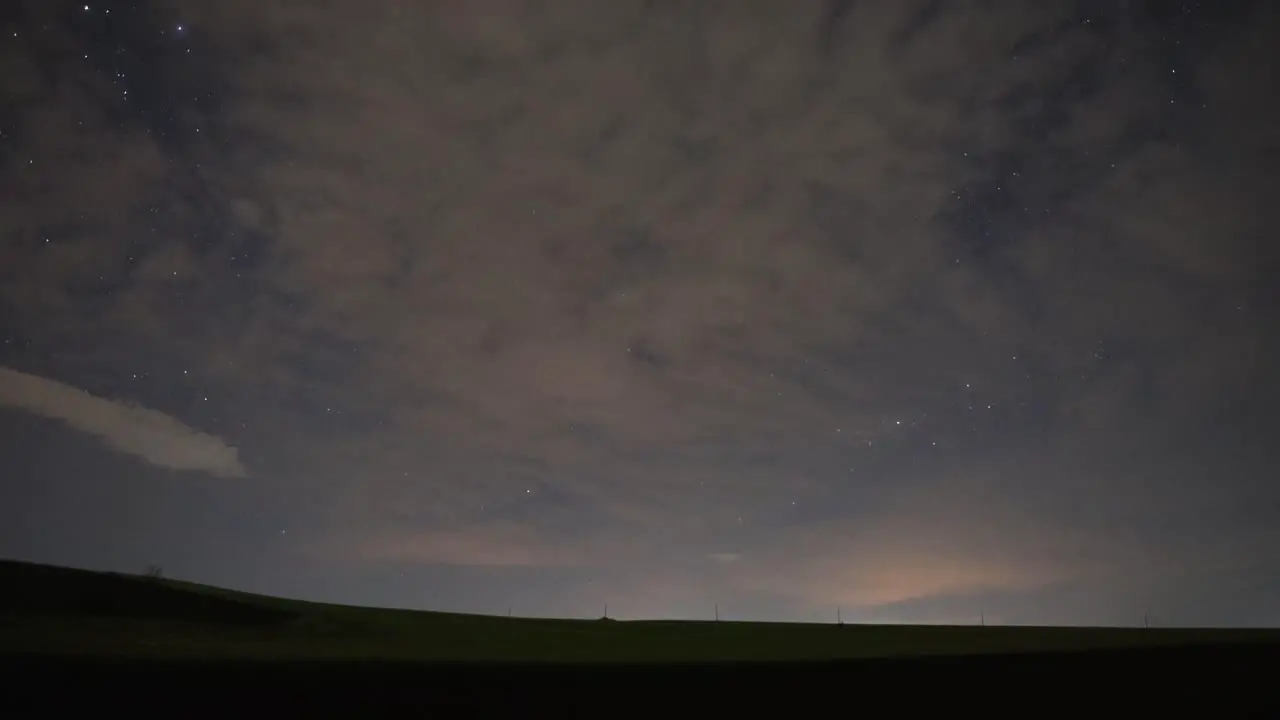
[(982, 619), (1146, 620), (717, 612), (839, 620), (606, 611)]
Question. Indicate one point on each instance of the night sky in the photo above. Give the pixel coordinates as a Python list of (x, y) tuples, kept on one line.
[(926, 310)]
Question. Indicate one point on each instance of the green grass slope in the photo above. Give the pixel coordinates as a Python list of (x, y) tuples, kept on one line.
[(51, 610)]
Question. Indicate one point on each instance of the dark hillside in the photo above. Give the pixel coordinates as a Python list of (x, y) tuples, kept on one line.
[(40, 590)]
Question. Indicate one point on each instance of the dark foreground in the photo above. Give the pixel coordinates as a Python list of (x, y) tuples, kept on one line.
[(1192, 681)]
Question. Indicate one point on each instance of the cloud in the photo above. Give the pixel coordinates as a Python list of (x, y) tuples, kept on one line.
[(675, 253), (153, 436), (486, 544), (745, 228)]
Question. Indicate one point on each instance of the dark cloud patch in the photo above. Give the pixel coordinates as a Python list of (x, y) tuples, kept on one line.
[(834, 14), (919, 20)]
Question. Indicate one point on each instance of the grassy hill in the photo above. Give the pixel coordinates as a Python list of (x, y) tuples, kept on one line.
[(62, 611)]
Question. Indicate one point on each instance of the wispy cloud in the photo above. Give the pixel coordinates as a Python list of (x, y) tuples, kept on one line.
[(149, 434)]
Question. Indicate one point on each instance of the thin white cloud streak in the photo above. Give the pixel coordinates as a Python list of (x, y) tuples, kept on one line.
[(128, 428)]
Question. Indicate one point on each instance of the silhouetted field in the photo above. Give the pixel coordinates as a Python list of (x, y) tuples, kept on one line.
[(62, 611), (113, 635)]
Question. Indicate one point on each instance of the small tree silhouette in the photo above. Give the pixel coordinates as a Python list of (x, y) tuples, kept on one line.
[(154, 572)]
